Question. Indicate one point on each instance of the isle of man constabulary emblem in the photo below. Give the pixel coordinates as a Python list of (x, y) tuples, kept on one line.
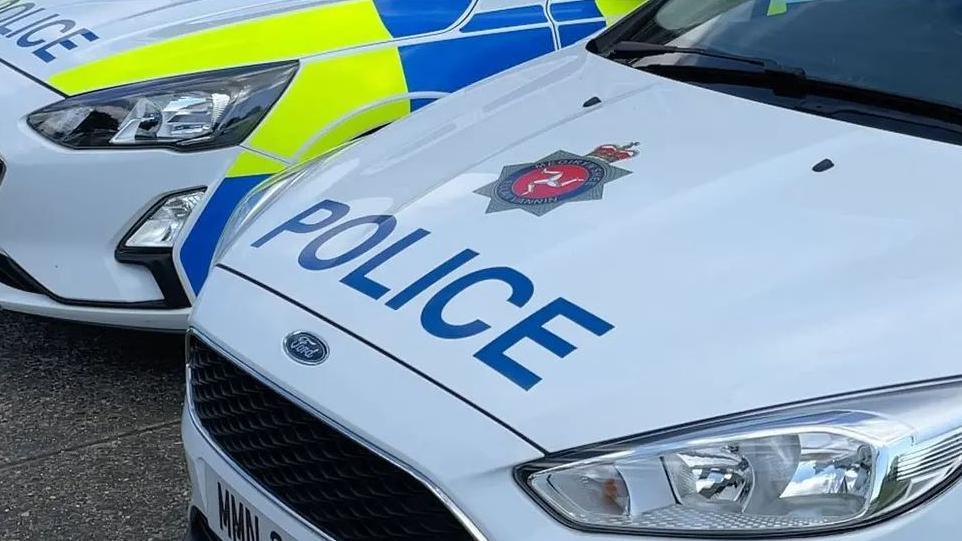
[(560, 178)]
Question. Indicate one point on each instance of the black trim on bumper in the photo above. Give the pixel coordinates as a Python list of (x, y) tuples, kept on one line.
[(198, 530), (13, 275), (159, 261)]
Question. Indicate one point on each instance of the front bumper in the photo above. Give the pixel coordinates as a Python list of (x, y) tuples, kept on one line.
[(469, 457), (129, 318), (64, 212)]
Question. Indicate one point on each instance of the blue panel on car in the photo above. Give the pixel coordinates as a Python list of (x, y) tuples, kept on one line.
[(576, 11), (413, 17), (427, 69), (571, 33), (198, 249), (506, 18)]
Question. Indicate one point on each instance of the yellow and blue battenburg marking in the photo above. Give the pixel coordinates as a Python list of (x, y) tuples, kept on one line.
[(309, 118), (371, 75), (248, 171)]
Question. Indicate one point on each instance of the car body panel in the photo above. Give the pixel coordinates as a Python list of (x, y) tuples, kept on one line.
[(126, 317), (864, 247), (333, 391), (493, 38), (386, 58), (47, 224), (454, 448)]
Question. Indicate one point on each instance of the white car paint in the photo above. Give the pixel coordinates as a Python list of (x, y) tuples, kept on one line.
[(734, 276), (63, 212)]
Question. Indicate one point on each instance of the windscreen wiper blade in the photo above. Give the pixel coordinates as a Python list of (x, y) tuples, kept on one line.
[(932, 119), (783, 81), (636, 50)]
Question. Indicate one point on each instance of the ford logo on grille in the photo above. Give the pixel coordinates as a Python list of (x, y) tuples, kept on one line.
[(306, 348)]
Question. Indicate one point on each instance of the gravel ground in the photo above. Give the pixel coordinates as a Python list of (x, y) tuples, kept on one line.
[(89, 433)]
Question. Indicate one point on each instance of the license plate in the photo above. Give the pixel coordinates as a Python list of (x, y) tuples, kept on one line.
[(233, 518)]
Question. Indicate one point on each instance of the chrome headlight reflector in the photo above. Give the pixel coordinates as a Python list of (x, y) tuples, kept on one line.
[(819, 468), (192, 112)]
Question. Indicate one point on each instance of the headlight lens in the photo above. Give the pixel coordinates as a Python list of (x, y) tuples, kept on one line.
[(804, 470), (193, 112), (162, 226)]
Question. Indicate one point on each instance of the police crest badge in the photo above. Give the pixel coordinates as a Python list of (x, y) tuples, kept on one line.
[(563, 177)]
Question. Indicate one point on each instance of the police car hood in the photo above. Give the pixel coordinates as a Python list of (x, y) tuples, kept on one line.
[(727, 274), (45, 37)]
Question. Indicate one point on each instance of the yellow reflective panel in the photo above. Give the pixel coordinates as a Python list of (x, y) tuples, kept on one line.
[(324, 92), (613, 10), (357, 125), (283, 36), (251, 163)]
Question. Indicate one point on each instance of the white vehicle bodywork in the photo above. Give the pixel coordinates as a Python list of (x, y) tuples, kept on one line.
[(733, 277), (64, 212)]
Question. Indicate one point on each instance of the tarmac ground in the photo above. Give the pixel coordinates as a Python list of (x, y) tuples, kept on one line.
[(89, 433)]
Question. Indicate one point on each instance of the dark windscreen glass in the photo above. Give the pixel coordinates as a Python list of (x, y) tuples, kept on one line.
[(908, 47)]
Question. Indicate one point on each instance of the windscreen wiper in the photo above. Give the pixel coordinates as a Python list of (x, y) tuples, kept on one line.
[(784, 81), (636, 50), (933, 117)]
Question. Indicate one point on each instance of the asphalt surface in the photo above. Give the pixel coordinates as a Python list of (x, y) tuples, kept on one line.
[(89, 433)]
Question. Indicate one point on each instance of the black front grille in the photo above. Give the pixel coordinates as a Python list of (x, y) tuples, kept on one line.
[(336, 484), (12, 275)]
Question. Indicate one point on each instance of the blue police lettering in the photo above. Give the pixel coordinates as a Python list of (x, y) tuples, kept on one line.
[(65, 41), (40, 31), (495, 353), (384, 227), (432, 319), (359, 280), (20, 15), (29, 39), (328, 219), (30, 25), (335, 211), (12, 11), (434, 276)]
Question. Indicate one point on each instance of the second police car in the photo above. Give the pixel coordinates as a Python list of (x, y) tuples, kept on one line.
[(698, 280), (131, 129)]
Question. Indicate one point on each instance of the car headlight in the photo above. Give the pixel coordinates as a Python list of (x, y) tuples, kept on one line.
[(191, 112), (160, 227), (820, 468)]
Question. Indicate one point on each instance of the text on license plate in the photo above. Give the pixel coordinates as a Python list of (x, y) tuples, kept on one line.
[(233, 519)]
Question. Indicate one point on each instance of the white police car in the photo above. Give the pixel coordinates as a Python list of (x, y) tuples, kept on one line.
[(130, 130), (698, 280)]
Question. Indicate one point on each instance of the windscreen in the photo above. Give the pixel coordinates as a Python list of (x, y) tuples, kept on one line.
[(907, 47)]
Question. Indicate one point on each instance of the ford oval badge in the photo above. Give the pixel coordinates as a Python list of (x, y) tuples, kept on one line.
[(306, 348)]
